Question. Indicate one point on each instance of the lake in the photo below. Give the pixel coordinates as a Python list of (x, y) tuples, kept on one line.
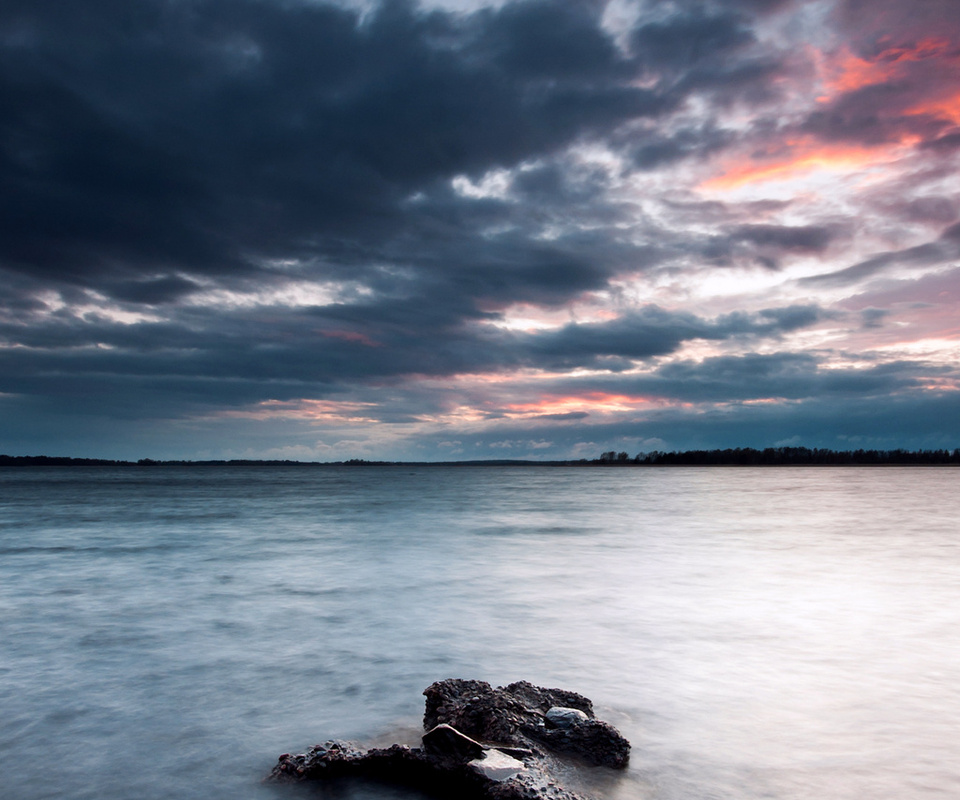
[(775, 633)]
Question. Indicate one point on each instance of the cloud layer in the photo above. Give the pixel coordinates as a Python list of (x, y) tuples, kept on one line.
[(240, 228)]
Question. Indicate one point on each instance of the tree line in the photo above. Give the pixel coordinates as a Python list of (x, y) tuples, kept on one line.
[(784, 456)]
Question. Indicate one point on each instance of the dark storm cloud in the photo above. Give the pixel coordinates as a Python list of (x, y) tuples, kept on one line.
[(791, 376), (561, 184), (652, 331), (155, 291), (685, 41), (659, 151), (183, 180), (149, 148), (233, 359), (705, 50), (767, 244), (545, 41), (145, 140)]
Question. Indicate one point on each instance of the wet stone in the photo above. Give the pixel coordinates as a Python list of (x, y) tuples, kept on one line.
[(565, 717), (497, 766), (444, 740), (482, 743)]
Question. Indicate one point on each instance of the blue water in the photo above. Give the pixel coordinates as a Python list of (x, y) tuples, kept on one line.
[(756, 633)]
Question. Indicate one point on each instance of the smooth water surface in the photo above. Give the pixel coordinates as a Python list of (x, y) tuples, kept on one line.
[(767, 633)]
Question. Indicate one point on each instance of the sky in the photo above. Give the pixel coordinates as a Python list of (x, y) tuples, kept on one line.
[(537, 229)]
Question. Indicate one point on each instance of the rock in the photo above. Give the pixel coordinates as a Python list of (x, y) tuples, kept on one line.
[(481, 744), (494, 777), (517, 715), (497, 765), (565, 717), (444, 740)]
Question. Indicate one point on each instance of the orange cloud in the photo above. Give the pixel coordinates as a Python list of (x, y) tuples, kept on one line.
[(850, 72), (843, 72), (947, 107), (589, 401), (847, 72), (797, 157)]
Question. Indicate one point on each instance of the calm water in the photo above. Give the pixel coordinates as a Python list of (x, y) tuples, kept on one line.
[(776, 634)]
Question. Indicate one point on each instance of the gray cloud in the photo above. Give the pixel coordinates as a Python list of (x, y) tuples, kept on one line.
[(145, 141), (799, 238), (944, 248), (171, 169), (871, 115), (657, 151), (148, 148), (688, 40), (231, 360), (946, 143), (789, 376), (836, 408), (874, 317)]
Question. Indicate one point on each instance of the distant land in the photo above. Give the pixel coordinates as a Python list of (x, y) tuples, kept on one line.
[(736, 457)]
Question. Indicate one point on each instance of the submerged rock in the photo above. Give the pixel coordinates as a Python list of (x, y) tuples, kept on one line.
[(481, 743)]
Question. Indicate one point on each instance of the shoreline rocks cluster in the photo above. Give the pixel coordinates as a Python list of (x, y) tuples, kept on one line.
[(481, 743)]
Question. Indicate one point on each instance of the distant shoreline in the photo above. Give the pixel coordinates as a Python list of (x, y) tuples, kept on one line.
[(735, 457)]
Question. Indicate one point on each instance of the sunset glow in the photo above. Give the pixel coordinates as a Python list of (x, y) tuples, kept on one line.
[(947, 107), (597, 402), (848, 72), (802, 156)]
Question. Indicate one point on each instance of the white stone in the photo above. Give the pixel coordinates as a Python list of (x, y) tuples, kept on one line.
[(497, 766), (565, 717)]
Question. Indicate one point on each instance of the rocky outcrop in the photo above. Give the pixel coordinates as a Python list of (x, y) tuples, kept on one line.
[(524, 714), (481, 743)]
